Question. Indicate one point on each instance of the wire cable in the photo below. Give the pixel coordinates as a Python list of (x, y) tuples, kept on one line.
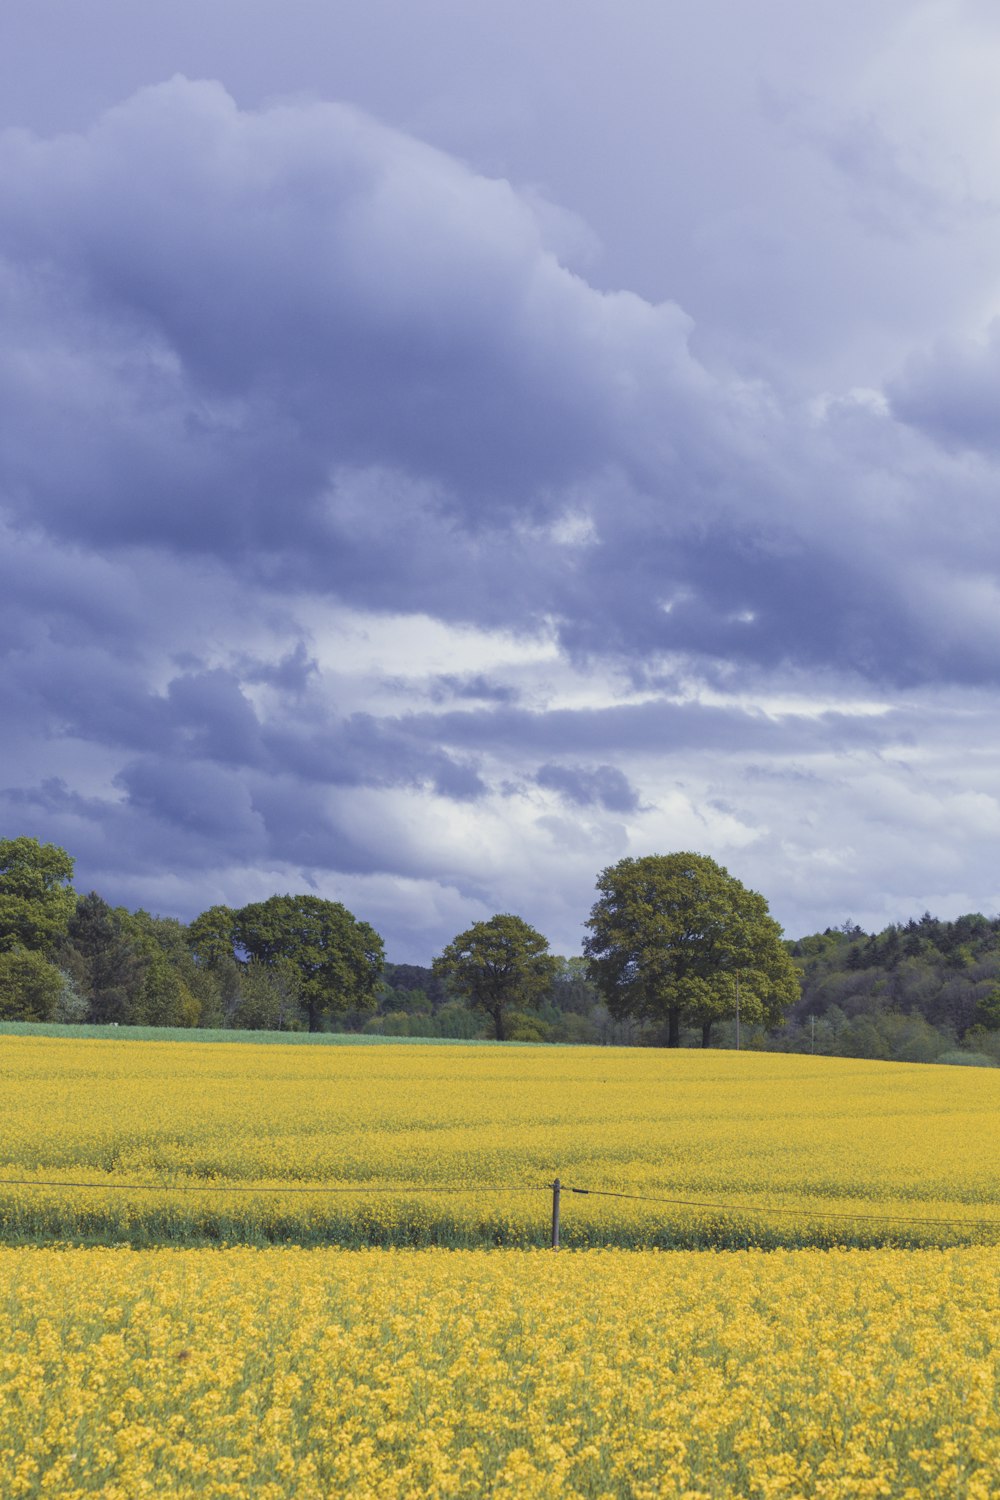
[(769, 1208), (372, 1190)]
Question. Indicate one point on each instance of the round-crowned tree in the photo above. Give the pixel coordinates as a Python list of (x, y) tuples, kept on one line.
[(337, 958), (675, 937), (499, 967)]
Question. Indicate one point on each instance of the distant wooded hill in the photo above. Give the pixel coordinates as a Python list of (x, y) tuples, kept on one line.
[(921, 991)]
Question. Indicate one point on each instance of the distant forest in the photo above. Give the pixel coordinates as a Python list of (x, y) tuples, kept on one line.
[(921, 991)]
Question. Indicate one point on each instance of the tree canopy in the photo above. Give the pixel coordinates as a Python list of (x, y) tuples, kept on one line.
[(337, 958), (36, 899), (106, 960), (670, 933), (499, 966), (212, 936), (30, 986)]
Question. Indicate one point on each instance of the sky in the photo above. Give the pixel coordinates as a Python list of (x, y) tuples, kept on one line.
[(447, 448)]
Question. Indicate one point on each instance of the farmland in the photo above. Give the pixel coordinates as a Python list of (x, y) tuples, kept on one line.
[(309, 1271), (146, 1143), (831, 1375)]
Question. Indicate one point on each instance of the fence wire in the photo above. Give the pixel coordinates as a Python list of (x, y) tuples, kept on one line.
[(472, 1190)]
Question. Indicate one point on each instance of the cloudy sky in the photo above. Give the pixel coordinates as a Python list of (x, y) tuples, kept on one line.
[(445, 448)]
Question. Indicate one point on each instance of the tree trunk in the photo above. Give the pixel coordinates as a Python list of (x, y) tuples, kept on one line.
[(313, 1010), (674, 1034), (706, 1033), (498, 1024)]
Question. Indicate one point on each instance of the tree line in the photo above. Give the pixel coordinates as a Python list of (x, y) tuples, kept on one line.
[(678, 952)]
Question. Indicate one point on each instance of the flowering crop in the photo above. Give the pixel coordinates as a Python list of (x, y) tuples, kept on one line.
[(393, 1375), (389, 1133)]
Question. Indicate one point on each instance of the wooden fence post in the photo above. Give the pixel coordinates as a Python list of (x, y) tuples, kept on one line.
[(555, 1214)]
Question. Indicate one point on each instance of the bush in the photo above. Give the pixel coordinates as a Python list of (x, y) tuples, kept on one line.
[(529, 1028)]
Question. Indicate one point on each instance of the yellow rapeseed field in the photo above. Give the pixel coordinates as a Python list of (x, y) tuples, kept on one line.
[(400, 1374), (454, 1145)]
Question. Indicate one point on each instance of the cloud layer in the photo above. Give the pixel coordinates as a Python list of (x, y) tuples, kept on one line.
[(352, 538)]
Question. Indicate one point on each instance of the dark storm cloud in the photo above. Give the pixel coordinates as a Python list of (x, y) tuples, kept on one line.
[(86, 693), (361, 750), (265, 296), (192, 818), (953, 393), (125, 836), (655, 728), (291, 674), (478, 686), (198, 795), (92, 678), (332, 358), (213, 719), (603, 786)]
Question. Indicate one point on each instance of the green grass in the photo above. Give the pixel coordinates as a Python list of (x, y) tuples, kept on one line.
[(258, 1038)]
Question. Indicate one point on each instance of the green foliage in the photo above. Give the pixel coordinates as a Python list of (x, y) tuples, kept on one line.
[(529, 1028), (338, 959), (215, 980), (988, 1010), (914, 992), (108, 963), (225, 978), (413, 985), (269, 996), (71, 1007), (455, 1020), (670, 933), (499, 966), (30, 987), (36, 900), (164, 999), (572, 989), (212, 936), (168, 994), (943, 977)]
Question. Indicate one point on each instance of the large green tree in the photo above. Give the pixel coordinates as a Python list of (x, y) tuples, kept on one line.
[(337, 958), (671, 937), (36, 899), (499, 966)]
